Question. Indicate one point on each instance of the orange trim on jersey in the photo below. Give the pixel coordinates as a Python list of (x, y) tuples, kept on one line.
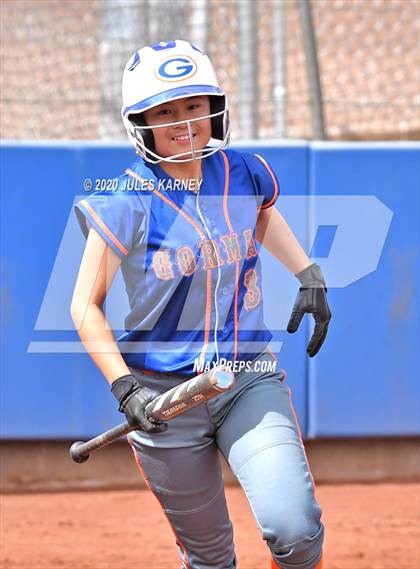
[(202, 235), (276, 187), (208, 317), (104, 228), (167, 200), (227, 218), (140, 467), (226, 192), (235, 313)]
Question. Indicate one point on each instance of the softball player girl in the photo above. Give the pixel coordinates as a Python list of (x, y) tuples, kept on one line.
[(185, 226)]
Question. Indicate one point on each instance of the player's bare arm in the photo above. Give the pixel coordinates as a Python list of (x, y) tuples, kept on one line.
[(96, 274), (275, 235)]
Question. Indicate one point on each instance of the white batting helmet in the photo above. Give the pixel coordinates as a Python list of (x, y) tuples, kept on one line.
[(167, 71)]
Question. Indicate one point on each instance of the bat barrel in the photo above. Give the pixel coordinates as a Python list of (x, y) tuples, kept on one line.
[(190, 394)]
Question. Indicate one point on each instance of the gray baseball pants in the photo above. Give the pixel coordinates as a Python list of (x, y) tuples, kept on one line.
[(255, 428)]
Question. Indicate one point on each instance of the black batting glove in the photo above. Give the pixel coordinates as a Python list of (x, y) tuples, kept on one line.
[(312, 299), (133, 398)]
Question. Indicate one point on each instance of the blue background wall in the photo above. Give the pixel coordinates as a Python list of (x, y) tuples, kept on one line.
[(354, 207)]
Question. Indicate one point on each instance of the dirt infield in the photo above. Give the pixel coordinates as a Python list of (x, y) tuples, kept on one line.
[(367, 527)]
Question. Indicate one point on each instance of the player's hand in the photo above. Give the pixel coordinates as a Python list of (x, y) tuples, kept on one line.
[(312, 299), (133, 398)]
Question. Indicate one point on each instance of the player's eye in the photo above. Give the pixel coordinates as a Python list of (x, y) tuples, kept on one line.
[(163, 112)]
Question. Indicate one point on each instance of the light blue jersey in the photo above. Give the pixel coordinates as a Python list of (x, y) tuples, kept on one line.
[(189, 261)]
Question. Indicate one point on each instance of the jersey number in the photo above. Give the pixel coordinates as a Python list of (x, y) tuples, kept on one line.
[(253, 294)]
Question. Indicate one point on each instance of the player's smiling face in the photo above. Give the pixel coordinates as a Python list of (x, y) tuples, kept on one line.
[(175, 139)]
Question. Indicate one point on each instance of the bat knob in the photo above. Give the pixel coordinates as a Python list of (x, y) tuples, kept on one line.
[(75, 453), (224, 378)]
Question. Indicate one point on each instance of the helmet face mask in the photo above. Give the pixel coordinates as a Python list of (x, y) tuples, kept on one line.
[(187, 71), (144, 139)]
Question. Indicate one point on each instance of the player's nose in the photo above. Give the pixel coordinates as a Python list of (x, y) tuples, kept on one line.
[(180, 117), (181, 128)]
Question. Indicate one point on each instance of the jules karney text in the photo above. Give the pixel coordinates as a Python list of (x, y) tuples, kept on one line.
[(171, 184)]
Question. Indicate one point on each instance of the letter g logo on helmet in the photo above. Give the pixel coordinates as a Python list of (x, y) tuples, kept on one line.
[(176, 68)]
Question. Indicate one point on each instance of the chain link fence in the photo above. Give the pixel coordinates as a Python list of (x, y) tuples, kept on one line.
[(62, 62)]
